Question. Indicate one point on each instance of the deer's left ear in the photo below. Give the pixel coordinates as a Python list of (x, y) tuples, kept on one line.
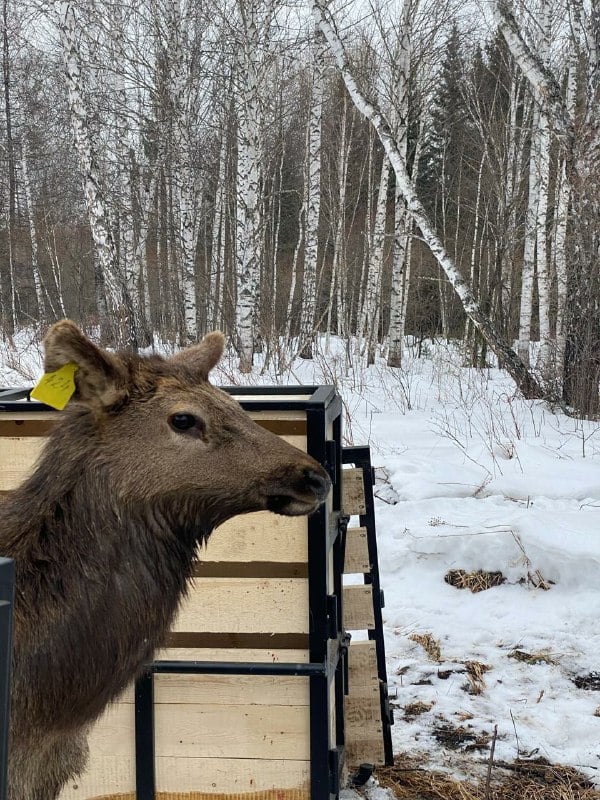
[(100, 378), (200, 359)]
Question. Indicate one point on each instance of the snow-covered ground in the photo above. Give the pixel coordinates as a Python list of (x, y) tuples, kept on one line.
[(482, 480)]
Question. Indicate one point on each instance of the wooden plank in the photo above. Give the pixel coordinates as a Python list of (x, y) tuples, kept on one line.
[(260, 641), (30, 415), (234, 654), (261, 536), (358, 608), (363, 678), (356, 558), (364, 728), (365, 751), (227, 690), (210, 731), (362, 714), (112, 775), (353, 492), (17, 458), (249, 569), (25, 426), (238, 605)]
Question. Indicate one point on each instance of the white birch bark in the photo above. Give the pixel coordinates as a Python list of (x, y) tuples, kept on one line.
[(527, 275), (401, 248), (562, 211), (313, 200), (543, 275), (339, 226), (35, 266), (509, 206), (360, 328), (217, 251), (122, 320), (254, 17), (475, 256), (525, 381), (295, 259), (373, 298), (187, 191)]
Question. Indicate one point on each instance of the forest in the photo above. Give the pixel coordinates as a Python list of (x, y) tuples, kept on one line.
[(286, 171)]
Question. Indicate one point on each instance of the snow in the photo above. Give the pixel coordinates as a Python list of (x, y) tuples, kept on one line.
[(485, 481)]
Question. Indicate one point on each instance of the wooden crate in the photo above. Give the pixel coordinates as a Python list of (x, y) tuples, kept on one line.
[(215, 735)]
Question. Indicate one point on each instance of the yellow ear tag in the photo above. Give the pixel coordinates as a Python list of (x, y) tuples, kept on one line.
[(56, 388)]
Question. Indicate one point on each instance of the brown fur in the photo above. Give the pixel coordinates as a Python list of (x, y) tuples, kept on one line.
[(105, 532)]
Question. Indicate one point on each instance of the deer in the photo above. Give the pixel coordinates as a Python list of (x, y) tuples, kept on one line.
[(147, 459)]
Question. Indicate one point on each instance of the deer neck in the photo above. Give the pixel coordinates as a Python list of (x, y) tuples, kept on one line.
[(98, 584)]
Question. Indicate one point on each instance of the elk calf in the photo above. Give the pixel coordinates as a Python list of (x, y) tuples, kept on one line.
[(145, 462)]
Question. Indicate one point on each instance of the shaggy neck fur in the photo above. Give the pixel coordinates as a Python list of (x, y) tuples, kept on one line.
[(98, 581)]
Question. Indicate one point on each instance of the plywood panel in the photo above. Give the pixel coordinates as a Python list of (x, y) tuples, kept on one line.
[(17, 458), (353, 492), (358, 608), (209, 731), (356, 558), (270, 605)]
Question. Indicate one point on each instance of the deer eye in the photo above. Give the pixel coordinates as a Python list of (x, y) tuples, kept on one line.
[(186, 422)]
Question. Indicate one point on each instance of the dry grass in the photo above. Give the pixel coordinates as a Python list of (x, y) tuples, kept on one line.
[(537, 580), (539, 657), (534, 780), (477, 581), (475, 672), (415, 709), (429, 644)]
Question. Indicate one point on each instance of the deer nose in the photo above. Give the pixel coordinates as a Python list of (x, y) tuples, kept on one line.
[(318, 482)]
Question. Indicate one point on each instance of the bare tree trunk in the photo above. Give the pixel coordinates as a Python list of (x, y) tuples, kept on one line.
[(35, 266), (248, 205), (543, 276), (313, 204), (373, 299), (122, 317), (529, 246), (9, 288), (217, 251), (524, 379)]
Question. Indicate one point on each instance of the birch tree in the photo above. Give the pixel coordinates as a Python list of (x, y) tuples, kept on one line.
[(401, 243), (580, 146), (255, 18), (313, 199), (118, 301), (524, 379)]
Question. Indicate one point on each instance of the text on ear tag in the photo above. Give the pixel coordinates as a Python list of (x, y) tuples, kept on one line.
[(55, 389)]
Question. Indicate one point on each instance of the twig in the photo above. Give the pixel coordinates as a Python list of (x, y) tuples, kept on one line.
[(488, 777), (516, 735)]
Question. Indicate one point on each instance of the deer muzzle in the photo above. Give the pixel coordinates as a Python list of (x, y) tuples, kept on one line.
[(304, 491)]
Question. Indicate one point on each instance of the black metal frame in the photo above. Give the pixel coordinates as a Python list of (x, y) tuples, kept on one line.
[(323, 413), (327, 641), (360, 457), (7, 587)]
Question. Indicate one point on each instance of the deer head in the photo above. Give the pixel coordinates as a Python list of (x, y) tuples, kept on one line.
[(161, 435)]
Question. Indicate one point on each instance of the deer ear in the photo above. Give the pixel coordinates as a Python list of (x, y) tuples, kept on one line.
[(100, 379), (200, 358)]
